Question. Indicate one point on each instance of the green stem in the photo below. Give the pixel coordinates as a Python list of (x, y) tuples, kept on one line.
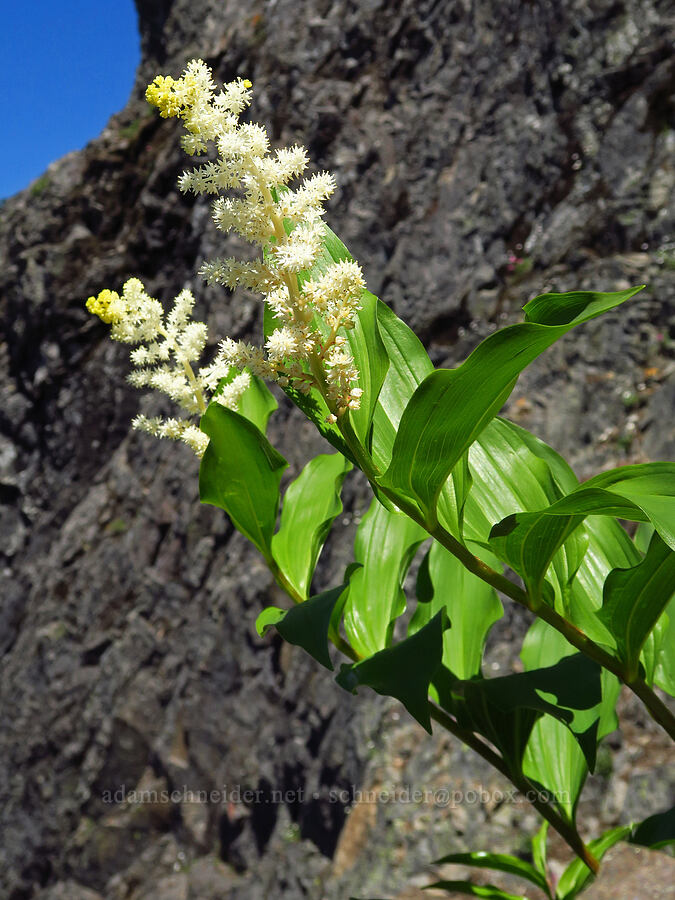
[(566, 831), (655, 706)]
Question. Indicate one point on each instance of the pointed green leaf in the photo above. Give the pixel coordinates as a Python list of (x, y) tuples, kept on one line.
[(471, 604), (305, 625), (501, 862), (633, 600), (257, 403), (408, 366), (528, 542), (637, 493), (385, 545), (372, 362), (240, 472), (310, 506), (572, 684), (657, 831), (513, 470), (269, 616), (451, 407), (486, 891), (553, 758), (577, 875), (403, 671), (539, 856)]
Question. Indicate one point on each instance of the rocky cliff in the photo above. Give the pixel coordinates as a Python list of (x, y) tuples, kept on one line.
[(485, 150)]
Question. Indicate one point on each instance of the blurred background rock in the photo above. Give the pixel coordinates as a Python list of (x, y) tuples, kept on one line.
[(485, 151)]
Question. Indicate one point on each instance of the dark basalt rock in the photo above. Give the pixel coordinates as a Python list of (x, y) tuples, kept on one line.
[(460, 133)]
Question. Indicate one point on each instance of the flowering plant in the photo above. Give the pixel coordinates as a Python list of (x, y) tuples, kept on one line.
[(474, 493)]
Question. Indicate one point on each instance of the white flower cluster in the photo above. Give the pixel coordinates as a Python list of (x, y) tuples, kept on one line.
[(305, 350), (168, 345)]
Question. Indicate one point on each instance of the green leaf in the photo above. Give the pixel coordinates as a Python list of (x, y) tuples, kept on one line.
[(408, 366), (305, 625), (513, 470), (577, 875), (269, 616), (638, 493), (487, 891), (471, 604), (657, 831), (664, 669), (385, 545), (608, 547), (310, 506), (633, 600), (553, 758), (403, 671), (314, 407), (451, 407), (257, 403), (240, 473), (501, 862), (572, 684), (539, 849), (371, 361), (528, 542)]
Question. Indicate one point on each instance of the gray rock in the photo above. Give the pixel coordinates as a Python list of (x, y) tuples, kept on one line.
[(459, 133)]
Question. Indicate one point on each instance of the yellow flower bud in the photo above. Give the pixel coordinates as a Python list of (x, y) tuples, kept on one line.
[(106, 306)]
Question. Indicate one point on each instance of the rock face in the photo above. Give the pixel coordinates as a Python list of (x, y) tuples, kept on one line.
[(462, 134)]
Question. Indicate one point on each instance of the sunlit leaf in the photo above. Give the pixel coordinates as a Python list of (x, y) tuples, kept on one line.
[(633, 600), (385, 545), (452, 406), (471, 604), (501, 862), (240, 473), (309, 508)]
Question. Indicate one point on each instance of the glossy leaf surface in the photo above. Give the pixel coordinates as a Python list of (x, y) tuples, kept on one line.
[(384, 546), (309, 508), (501, 862), (471, 605), (240, 473), (633, 600), (403, 671), (452, 406)]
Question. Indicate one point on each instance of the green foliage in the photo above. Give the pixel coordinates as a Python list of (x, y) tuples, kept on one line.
[(500, 862), (310, 506), (452, 406), (487, 494), (241, 472), (444, 583), (384, 547), (404, 671), (306, 625)]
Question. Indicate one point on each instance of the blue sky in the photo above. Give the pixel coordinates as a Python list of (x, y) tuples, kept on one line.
[(68, 65)]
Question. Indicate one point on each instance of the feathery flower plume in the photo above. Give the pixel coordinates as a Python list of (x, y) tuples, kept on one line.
[(285, 224), (167, 347), (306, 349)]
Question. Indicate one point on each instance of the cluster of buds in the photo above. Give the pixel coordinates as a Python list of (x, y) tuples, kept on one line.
[(167, 347), (313, 300)]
